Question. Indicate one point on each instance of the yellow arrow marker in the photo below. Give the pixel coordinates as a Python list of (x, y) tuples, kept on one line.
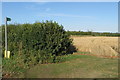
[(8, 54), (5, 54)]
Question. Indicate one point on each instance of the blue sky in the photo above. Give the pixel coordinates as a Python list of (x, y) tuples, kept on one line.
[(95, 16)]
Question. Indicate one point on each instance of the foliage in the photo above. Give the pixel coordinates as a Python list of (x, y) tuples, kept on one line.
[(93, 33), (36, 43), (13, 66)]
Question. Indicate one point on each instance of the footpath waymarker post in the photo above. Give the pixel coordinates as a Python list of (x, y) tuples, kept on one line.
[(6, 19)]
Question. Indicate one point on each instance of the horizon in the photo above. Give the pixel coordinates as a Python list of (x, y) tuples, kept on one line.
[(74, 16)]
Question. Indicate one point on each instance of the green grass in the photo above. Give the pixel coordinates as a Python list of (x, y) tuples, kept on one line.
[(76, 66)]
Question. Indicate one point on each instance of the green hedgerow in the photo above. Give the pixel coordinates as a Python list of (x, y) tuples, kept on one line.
[(37, 43)]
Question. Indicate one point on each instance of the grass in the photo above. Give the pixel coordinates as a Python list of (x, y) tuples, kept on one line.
[(76, 66)]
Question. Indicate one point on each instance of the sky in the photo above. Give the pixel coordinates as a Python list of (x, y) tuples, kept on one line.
[(60, 0), (74, 16)]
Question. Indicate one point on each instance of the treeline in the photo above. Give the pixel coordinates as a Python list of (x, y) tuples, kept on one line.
[(90, 33)]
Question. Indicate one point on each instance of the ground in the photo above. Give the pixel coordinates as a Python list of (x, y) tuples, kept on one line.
[(77, 66)]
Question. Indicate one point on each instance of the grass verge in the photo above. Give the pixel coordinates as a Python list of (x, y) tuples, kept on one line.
[(76, 66)]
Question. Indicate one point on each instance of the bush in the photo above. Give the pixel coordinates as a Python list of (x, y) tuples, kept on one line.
[(37, 43)]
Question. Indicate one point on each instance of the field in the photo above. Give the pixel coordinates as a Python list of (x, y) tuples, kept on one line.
[(102, 46), (82, 66)]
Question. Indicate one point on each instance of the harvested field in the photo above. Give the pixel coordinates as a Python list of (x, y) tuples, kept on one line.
[(102, 46)]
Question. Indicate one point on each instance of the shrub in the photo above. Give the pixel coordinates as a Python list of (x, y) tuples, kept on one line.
[(37, 43)]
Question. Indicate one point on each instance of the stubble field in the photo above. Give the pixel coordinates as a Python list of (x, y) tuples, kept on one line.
[(101, 46)]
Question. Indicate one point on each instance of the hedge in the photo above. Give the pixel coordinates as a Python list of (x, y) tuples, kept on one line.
[(37, 43)]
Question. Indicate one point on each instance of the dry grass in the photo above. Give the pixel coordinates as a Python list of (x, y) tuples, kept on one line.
[(107, 46)]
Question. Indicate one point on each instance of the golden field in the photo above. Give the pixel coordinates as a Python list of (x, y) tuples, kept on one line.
[(103, 46)]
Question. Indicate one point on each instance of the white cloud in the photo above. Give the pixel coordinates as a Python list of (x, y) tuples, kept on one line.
[(30, 7), (41, 3), (62, 15), (47, 9)]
